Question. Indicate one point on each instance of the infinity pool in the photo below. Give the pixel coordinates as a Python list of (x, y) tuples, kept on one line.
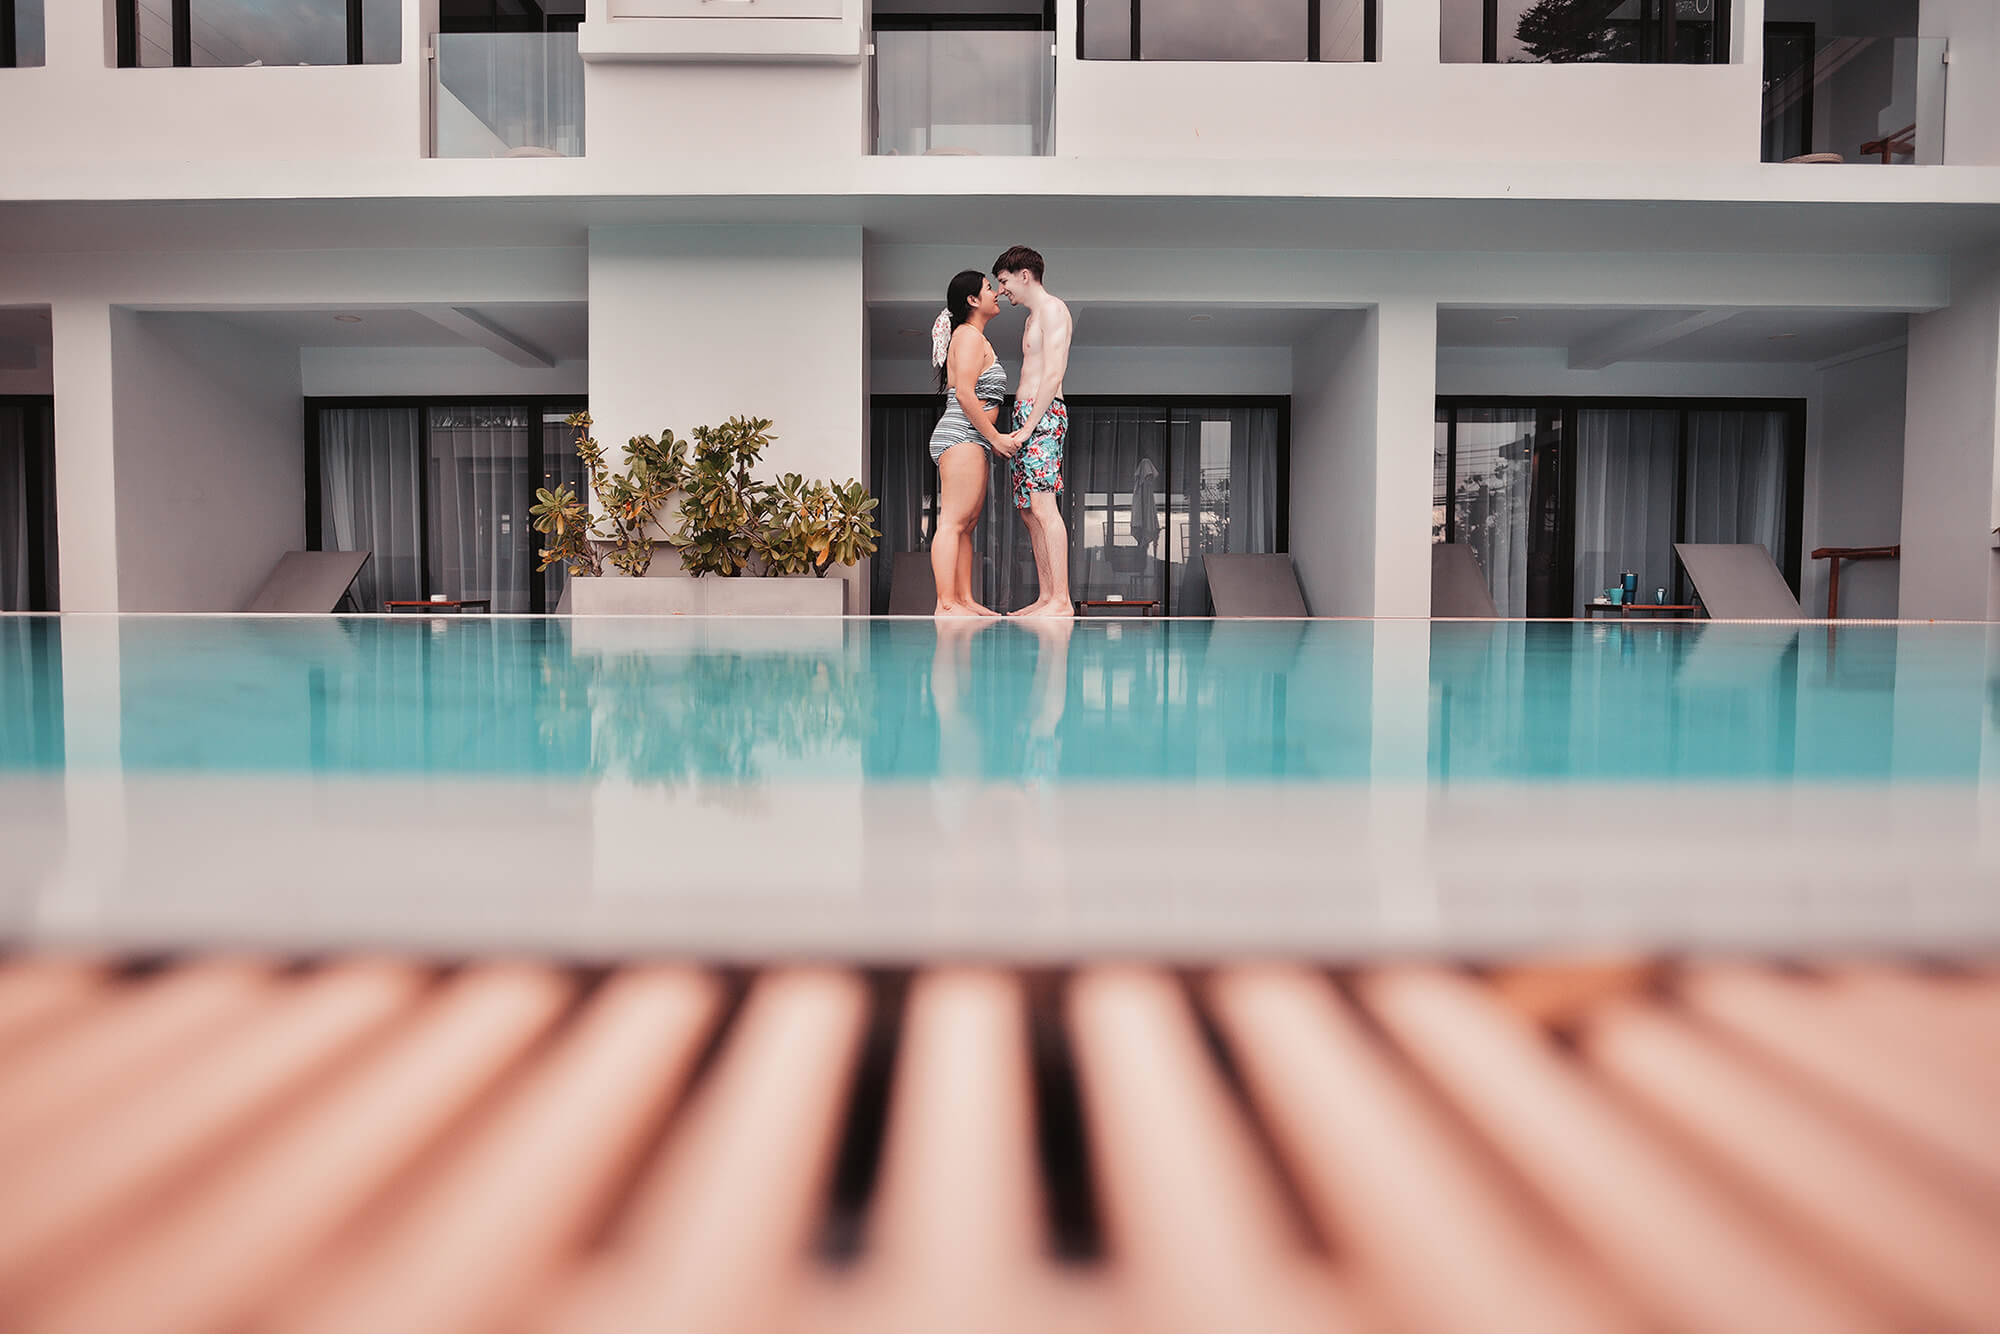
[(858, 786)]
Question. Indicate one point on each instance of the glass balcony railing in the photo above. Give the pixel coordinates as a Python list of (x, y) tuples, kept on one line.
[(986, 91), (1852, 99), (507, 94)]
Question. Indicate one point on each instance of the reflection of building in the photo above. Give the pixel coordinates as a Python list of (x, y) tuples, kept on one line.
[(764, 212)]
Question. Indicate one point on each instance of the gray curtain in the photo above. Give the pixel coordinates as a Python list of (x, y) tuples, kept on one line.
[(906, 483), (1495, 496), (1225, 471), (27, 507), (560, 467), (482, 483), (371, 500), (1625, 464), (1736, 480)]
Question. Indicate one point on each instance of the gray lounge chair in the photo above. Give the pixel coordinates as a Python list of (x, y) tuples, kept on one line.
[(308, 582), (1458, 585), (912, 587), (1242, 584), (1738, 581)]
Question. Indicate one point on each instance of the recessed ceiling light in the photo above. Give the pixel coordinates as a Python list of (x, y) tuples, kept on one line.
[(348, 319), (1508, 319), (1200, 319)]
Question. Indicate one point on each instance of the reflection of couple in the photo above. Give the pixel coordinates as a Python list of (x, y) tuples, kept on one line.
[(974, 384), (960, 739)]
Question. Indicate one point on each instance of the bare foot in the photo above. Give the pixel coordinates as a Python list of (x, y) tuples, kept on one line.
[(1032, 609), (952, 610), (980, 609), (1052, 609)]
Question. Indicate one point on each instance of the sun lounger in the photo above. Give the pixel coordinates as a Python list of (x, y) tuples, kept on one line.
[(1738, 582), (912, 587), (1458, 585), (1244, 584), (308, 582)]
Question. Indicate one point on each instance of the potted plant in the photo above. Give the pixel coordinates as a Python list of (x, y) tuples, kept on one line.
[(738, 536)]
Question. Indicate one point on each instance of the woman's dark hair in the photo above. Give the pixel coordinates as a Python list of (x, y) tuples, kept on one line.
[(958, 297)]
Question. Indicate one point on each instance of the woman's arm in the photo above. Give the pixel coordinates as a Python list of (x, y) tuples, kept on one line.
[(963, 363)]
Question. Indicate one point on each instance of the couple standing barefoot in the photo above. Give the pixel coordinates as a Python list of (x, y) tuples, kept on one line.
[(974, 385)]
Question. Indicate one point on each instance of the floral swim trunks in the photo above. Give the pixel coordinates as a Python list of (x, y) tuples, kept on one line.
[(1038, 463)]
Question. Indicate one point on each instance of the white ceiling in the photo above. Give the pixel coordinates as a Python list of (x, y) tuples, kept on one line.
[(1753, 335), (560, 329), (901, 331)]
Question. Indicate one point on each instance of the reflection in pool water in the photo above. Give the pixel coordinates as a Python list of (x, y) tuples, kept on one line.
[(1207, 702)]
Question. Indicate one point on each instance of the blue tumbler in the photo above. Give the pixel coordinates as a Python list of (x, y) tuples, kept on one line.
[(1631, 589)]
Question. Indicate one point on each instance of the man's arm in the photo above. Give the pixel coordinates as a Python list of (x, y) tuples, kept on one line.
[(1055, 364)]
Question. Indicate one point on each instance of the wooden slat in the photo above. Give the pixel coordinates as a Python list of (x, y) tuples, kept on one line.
[(1200, 1237), (1937, 1259), (716, 1238), (120, 1044), (37, 992), (103, 1171), (1934, 1017), (1680, 1244), (1784, 1018), (213, 1262), (1451, 1246), (482, 1236)]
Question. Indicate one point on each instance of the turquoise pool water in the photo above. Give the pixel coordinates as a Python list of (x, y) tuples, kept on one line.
[(1099, 702)]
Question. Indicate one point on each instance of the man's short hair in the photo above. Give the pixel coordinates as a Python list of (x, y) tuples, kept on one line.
[(1019, 259)]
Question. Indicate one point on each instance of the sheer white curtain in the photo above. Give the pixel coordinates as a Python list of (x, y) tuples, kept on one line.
[(1625, 465), (1737, 480), (482, 483), (27, 507), (976, 90), (371, 498), (1225, 471), (1494, 496)]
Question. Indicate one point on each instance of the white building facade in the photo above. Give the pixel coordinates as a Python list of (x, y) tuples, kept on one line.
[(1351, 276)]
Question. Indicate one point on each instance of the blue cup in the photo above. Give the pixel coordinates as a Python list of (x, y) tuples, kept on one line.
[(1617, 596), (1632, 588)]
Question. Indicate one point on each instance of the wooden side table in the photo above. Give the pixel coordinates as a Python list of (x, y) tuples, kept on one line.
[(456, 604), (1839, 554), (1623, 609)]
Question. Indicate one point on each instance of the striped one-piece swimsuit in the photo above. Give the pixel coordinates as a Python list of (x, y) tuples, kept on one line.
[(955, 428)]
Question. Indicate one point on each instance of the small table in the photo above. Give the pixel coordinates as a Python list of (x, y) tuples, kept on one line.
[(1124, 607), (1591, 609), (456, 604), (1839, 554)]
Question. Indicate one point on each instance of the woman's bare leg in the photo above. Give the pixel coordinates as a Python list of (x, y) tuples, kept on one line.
[(961, 491)]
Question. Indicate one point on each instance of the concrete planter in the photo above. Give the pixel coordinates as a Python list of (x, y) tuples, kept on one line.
[(682, 595)]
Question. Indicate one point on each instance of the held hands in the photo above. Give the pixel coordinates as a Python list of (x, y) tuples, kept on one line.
[(1009, 445)]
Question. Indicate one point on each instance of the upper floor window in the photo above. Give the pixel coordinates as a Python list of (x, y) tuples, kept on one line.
[(1653, 32), (259, 32), (1242, 30), (20, 33)]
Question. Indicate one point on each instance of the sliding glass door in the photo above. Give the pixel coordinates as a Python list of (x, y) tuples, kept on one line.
[(1558, 498), (1149, 488), (439, 492), (27, 504)]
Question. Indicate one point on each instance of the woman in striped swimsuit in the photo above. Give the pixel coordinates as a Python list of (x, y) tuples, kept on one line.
[(974, 384)]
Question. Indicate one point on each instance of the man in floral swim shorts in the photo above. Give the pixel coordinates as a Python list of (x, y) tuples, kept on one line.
[(1041, 426)]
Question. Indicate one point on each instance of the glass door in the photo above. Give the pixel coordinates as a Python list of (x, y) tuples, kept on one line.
[(1498, 481)]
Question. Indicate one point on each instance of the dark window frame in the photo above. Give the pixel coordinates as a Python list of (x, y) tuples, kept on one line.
[(1790, 561), (495, 21), (183, 34), (422, 404), (9, 48), (44, 595), (1370, 38)]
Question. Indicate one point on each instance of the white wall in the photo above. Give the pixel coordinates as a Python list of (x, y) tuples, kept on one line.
[(210, 476), (1407, 105), (1546, 371), (639, 112), (1855, 472), (692, 325), (1129, 370), (1950, 501), (82, 107), (334, 372), (1335, 377)]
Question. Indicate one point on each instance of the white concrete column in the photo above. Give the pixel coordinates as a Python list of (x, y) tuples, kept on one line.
[(692, 325), (1364, 408), (1405, 436), (1951, 437), (86, 472)]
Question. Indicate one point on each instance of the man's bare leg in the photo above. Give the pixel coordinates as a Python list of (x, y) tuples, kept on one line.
[(1037, 543), (1045, 507)]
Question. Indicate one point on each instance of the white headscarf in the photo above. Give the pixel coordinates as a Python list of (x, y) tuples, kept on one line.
[(940, 337)]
